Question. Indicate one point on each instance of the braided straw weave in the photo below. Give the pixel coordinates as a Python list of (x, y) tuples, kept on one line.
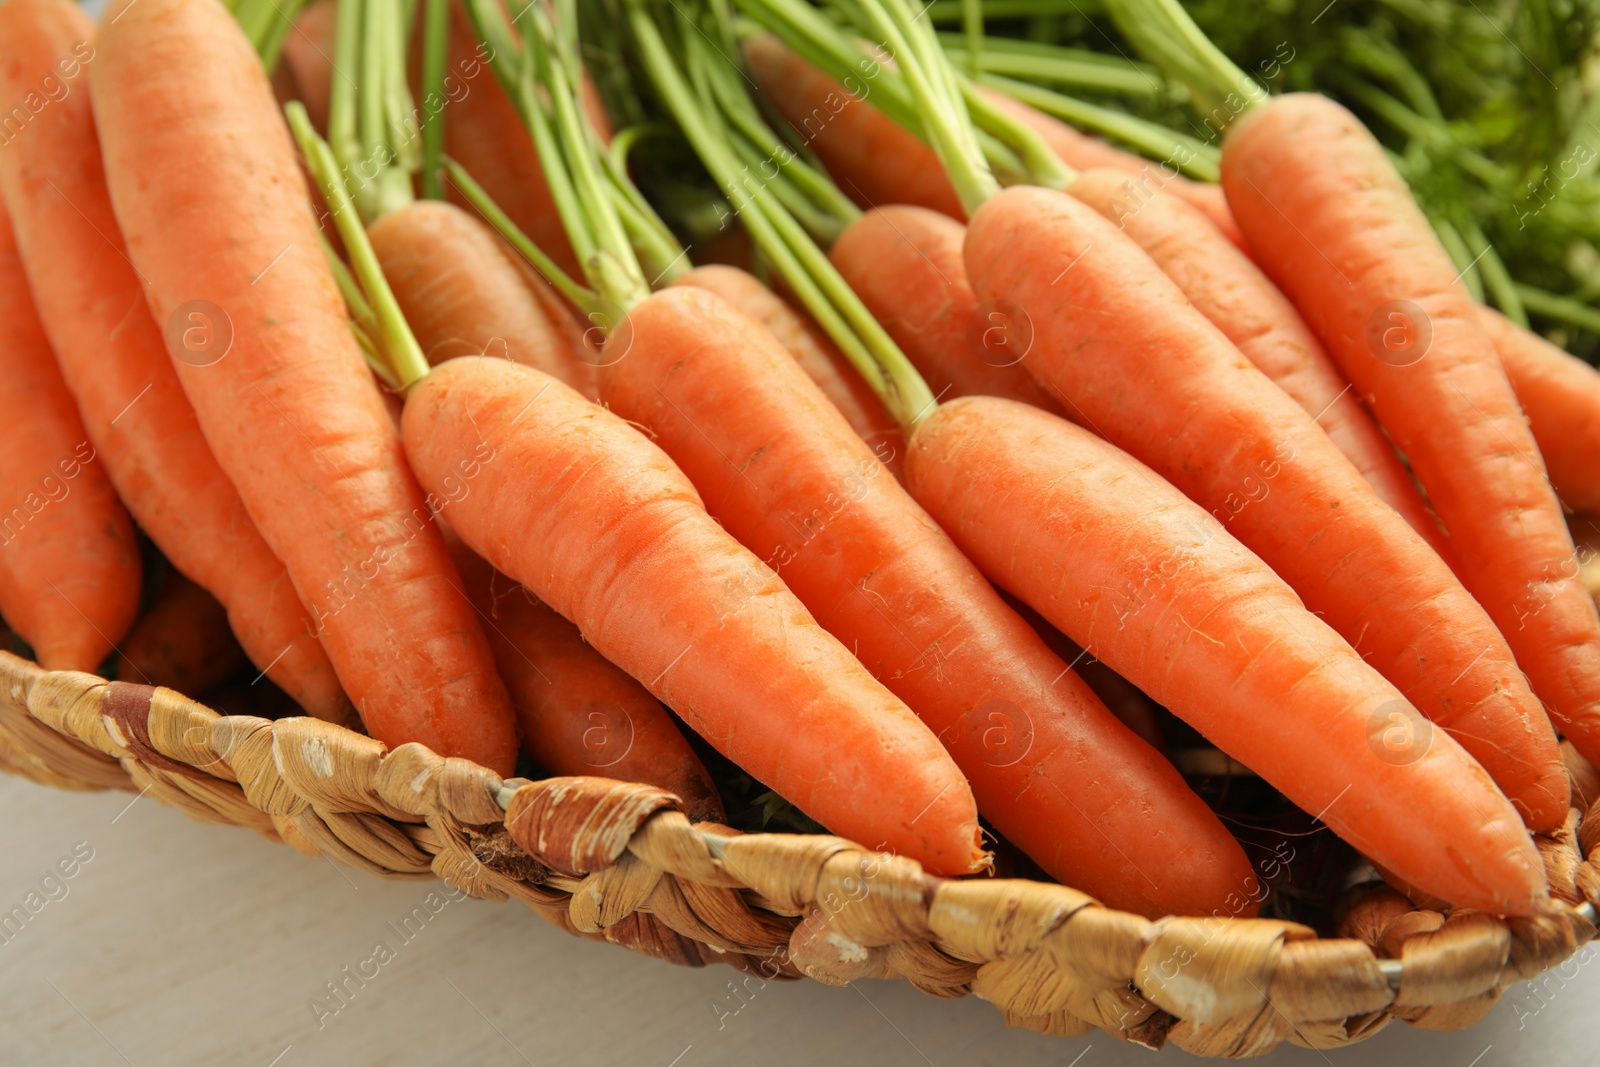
[(620, 862)]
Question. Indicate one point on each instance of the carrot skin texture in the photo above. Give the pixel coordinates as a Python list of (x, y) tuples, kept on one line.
[(786, 475), (1157, 589), (1230, 290), (69, 566), (182, 643), (290, 410), (1117, 341), (1354, 244), (1560, 394), (114, 360), (580, 714), (598, 523), (462, 294), (904, 262), (814, 352)]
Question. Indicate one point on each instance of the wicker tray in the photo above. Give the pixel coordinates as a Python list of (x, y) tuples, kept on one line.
[(620, 862)]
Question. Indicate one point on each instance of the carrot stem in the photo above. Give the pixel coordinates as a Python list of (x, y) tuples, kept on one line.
[(1189, 154), (343, 135), (1561, 308), (579, 295), (944, 115), (1064, 69), (1164, 33), (1450, 238), (394, 336), (796, 257), (435, 53)]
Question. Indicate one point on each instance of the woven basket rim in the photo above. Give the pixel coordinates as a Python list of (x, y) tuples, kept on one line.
[(620, 862)]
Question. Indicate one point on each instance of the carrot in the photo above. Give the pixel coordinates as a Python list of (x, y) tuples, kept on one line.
[(815, 354), (1560, 394), (1160, 590), (463, 294), (69, 567), (597, 522), (580, 714), (874, 160), (1115, 338), (1227, 288), (308, 57), (1338, 231), (114, 360), (290, 409), (905, 264), (785, 475), (182, 642)]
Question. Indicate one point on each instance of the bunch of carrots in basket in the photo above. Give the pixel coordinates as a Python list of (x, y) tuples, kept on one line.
[(909, 486)]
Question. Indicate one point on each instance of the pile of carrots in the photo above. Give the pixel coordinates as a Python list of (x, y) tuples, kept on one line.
[(970, 439)]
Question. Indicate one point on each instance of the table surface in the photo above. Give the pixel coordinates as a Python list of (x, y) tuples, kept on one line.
[(175, 942)]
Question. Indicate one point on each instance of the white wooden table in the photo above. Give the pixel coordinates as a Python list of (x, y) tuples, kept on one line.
[(179, 943)]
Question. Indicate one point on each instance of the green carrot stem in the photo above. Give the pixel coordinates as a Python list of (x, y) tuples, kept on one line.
[(400, 113), (1039, 163), (1460, 255), (435, 54), (1189, 154), (1560, 308), (1050, 50), (972, 30), (578, 295), (1163, 33), (616, 271), (809, 274), (343, 134), (271, 45), (1095, 77), (948, 127), (394, 337), (946, 12), (1496, 279), (360, 311), (731, 96)]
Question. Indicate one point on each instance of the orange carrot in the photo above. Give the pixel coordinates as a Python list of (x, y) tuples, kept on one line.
[(580, 714), (581, 508), (1158, 589), (784, 473), (463, 293), (115, 362), (1115, 338), (1560, 394), (1227, 288), (308, 57), (289, 408), (904, 263), (69, 567), (182, 642), (815, 354), (1331, 222)]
